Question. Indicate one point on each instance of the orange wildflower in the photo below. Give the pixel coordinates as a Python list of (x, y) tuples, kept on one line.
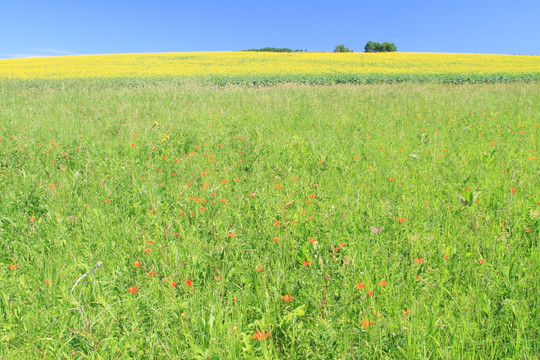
[(136, 264), (366, 323), (418, 260), (360, 285), (13, 266), (306, 263), (172, 284), (133, 289), (287, 297), (260, 335), (383, 283), (189, 282), (481, 261)]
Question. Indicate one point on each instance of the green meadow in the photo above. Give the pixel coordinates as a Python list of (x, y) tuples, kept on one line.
[(144, 219)]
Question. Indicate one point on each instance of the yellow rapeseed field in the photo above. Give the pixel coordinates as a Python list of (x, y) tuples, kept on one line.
[(256, 64)]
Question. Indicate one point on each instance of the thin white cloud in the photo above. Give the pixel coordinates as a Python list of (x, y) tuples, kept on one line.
[(40, 52), (18, 56), (55, 51)]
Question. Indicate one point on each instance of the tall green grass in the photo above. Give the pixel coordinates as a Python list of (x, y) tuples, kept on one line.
[(427, 195)]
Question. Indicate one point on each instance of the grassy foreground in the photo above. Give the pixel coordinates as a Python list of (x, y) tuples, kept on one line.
[(383, 221)]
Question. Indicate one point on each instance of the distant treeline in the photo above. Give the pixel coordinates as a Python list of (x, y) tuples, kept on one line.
[(271, 49)]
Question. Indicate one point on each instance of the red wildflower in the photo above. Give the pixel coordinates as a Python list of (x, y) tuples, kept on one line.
[(147, 250), (189, 282), (306, 263), (133, 289), (107, 201), (260, 268), (481, 261), (136, 264), (360, 285), (13, 266), (370, 293), (383, 282), (418, 260), (172, 284), (151, 273), (446, 256), (406, 312)]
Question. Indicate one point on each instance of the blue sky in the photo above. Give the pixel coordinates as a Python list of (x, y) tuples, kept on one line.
[(51, 27)]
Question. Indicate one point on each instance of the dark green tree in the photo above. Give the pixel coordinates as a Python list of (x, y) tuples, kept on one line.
[(369, 47), (389, 47), (341, 48)]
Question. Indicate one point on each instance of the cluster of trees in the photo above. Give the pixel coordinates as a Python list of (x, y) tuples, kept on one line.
[(370, 47), (378, 47), (272, 49)]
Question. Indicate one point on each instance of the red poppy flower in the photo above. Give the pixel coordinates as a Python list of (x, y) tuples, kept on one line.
[(189, 282)]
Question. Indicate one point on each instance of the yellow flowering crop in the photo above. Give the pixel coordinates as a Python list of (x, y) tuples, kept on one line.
[(260, 64)]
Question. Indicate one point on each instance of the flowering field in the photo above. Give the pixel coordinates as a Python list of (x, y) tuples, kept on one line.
[(156, 219), (268, 68)]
